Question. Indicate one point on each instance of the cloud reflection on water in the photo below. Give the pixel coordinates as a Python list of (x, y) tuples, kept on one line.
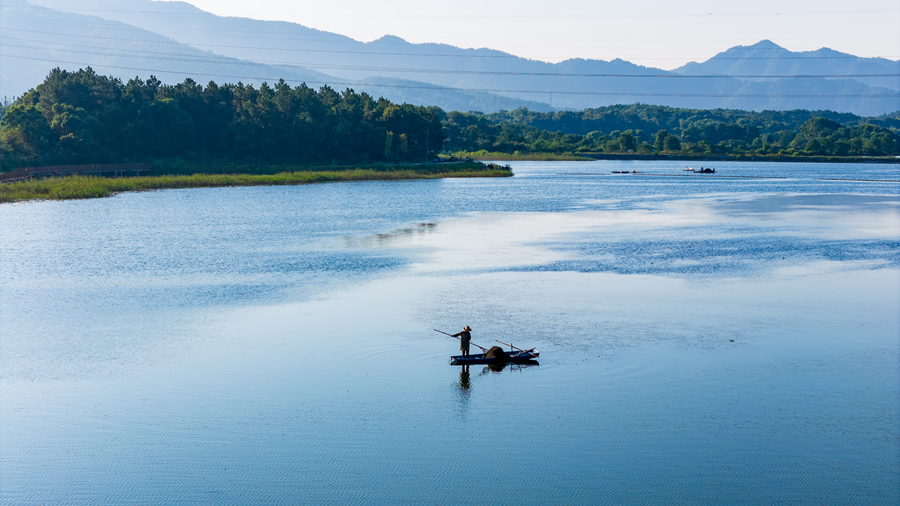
[(696, 237)]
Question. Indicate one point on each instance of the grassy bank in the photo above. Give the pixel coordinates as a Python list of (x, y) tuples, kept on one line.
[(181, 168), (688, 157), (541, 157), (86, 187), (740, 157)]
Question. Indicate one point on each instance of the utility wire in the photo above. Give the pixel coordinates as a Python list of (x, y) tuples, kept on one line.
[(533, 16), (337, 38), (121, 24), (379, 53), (407, 70), (485, 90)]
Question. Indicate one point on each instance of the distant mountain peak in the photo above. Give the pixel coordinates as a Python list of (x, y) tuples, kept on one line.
[(389, 39), (764, 44), (826, 52)]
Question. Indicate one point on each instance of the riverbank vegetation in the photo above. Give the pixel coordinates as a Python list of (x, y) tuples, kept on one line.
[(82, 187), (655, 129)]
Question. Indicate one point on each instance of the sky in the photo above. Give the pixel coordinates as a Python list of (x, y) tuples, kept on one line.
[(654, 33)]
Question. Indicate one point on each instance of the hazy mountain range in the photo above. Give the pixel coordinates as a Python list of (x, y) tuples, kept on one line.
[(174, 40)]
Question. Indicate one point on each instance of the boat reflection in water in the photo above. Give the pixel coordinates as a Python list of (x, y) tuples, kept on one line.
[(497, 368), (465, 379)]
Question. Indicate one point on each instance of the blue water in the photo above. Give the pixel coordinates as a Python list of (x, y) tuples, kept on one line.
[(703, 339)]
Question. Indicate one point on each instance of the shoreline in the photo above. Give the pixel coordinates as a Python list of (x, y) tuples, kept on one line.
[(87, 187), (741, 158), (589, 157)]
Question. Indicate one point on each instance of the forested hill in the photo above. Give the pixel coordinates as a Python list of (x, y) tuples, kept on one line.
[(82, 117), (652, 118), (648, 129)]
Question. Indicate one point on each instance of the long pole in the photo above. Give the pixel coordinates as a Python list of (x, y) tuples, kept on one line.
[(511, 346), (470, 342)]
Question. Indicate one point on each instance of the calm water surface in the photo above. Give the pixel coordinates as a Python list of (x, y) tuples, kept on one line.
[(703, 340)]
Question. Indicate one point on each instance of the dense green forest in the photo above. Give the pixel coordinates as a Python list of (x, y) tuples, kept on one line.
[(82, 117), (651, 118), (647, 129)]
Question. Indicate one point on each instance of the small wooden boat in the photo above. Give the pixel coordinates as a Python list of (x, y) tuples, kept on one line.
[(515, 357)]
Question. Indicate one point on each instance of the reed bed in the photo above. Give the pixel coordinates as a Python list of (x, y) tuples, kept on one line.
[(542, 157), (88, 187)]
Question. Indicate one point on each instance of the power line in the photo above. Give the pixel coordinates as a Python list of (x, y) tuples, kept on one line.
[(485, 90), (379, 53), (408, 70), (472, 15), (342, 39)]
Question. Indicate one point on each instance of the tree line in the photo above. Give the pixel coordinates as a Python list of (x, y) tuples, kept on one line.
[(647, 129), (82, 117), (652, 118)]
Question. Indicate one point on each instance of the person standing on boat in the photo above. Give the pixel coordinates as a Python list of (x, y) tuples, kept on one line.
[(464, 338)]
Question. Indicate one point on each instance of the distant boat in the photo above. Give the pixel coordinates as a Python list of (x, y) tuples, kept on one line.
[(707, 170), (688, 169)]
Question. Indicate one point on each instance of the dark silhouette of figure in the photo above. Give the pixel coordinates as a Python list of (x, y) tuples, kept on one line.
[(465, 337), (464, 378)]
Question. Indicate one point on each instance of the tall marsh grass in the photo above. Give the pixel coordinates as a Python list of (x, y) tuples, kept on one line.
[(88, 187), (543, 157)]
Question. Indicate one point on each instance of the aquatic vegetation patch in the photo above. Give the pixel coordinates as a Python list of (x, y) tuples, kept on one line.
[(87, 187), (540, 157)]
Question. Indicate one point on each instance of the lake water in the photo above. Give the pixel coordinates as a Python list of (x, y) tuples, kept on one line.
[(728, 340)]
